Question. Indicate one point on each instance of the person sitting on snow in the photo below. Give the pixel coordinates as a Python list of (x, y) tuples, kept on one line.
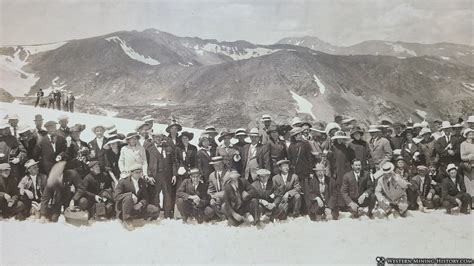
[(239, 199), (422, 191), (357, 190), (289, 187), (268, 196), (31, 188), (9, 204), (391, 191), (95, 193), (453, 191), (317, 194), (192, 197), (132, 199)]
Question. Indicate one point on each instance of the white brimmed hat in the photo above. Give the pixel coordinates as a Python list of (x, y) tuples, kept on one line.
[(266, 118), (387, 167), (373, 128), (445, 125), (450, 167), (470, 119), (254, 132), (30, 163), (340, 135)]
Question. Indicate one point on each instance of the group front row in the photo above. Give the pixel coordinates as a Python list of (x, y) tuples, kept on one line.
[(226, 195)]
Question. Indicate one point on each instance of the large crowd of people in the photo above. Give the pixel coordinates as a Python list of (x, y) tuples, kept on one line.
[(256, 176)]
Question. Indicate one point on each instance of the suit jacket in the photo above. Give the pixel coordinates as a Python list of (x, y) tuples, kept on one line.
[(186, 159), (216, 185), (45, 154), (9, 186), (203, 160), (91, 186), (351, 189), (26, 183), (422, 189), (233, 199), (125, 187), (187, 189), (441, 150), (301, 159), (161, 165), (314, 190), (450, 189), (228, 155), (262, 156), (99, 152), (292, 185), (381, 150), (269, 193), (63, 132), (392, 193)]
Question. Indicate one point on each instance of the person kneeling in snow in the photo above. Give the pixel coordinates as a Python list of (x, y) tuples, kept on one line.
[(317, 194), (289, 187), (131, 197), (453, 191), (391, 191), (9, 203), (423, 191), (357, 190), (239, 199), (95, 193), (192, 197), (268, 198), (31, 188)]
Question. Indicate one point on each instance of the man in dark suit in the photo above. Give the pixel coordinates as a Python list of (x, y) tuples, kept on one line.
[(49, 148), (289, 188), (162, 168), (357, 190), (215, 187), (239, 199), (63, 129), (446, 147), (317, 194), (132, 199), (97, 146), (453, 191), (9, 200), (254, 156), (192, 197), (267, 195), (95, 188), (422, 193)]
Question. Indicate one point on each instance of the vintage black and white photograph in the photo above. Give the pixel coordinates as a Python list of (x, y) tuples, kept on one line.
[(320, 132)]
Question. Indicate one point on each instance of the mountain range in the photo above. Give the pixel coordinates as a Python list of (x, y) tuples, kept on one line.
[(231, 84)]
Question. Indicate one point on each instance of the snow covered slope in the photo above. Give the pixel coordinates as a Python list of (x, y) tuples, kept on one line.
[(347, 241)]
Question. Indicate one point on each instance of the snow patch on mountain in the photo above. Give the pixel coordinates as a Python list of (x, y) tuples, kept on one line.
[(34, 49), (13, 79), (445, 58), (321, 86), (132, 53), (233, 52), (400, 49), (304, 106), (185, 65), (469, 86)]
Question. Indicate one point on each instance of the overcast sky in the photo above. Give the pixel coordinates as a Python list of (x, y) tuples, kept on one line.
[(260, 21)]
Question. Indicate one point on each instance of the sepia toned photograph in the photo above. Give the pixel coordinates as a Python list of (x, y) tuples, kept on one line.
[(236, 132)]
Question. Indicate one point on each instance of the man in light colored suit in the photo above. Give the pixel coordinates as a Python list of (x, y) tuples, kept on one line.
[(391, 191), (379, 146)]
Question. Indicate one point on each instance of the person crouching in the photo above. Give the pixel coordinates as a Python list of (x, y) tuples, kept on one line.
[(268, 197), (95, 193), (132, 199), (31, 188), (317, 194), (391, 191), (192, 197)]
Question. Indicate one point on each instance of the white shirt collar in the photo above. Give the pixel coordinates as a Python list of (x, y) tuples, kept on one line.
[(135, 184)]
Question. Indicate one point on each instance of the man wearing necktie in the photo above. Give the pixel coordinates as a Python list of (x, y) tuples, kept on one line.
[(391, 191), (192, 197), (31, 188), (357, 190)]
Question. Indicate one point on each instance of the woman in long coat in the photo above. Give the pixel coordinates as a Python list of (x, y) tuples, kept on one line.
[(361, 148), (339, 159)]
